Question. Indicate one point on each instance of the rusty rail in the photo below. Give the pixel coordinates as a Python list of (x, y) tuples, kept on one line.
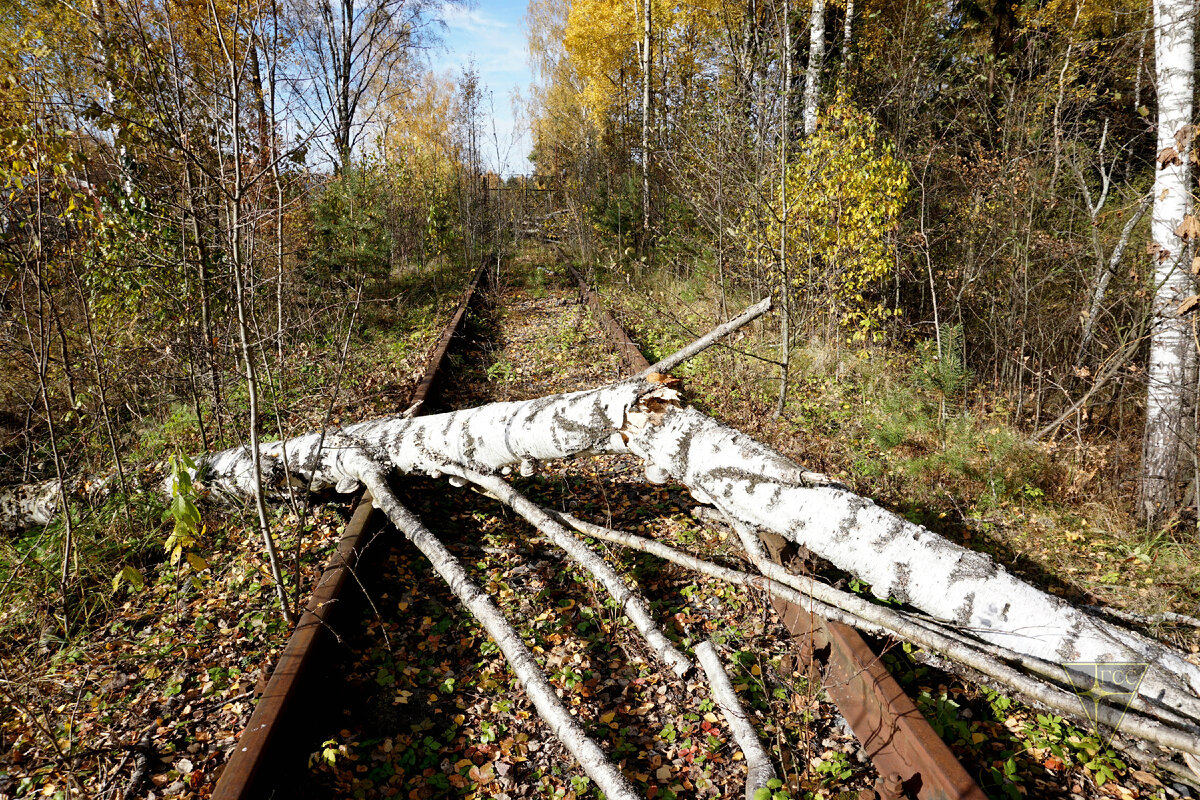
[(270, 717), (911, 759)]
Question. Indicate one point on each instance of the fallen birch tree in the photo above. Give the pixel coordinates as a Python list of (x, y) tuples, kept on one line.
[(972, 611)]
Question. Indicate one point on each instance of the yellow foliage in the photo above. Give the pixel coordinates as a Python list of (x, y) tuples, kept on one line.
[(1084, 19), (845, 192), (602, 40), (421, 123)]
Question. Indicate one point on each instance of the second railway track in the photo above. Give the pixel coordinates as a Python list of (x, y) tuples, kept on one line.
[(412, 700)]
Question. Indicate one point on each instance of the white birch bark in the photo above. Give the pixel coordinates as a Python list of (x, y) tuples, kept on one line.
[(759, 769), (1170, 340), (984, 663), (816, 55), (847, 31), (753, 484), (647, 110), (551, 709), (748, 482)]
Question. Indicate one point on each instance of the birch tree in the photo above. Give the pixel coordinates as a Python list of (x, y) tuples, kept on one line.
[(816, 55), (352, 49), (1171, 346), (647, 111)]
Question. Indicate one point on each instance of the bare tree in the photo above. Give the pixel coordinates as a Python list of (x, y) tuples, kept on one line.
[(354, 51)]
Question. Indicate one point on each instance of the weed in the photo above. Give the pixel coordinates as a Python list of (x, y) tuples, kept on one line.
[(833, 768), (500, 371)]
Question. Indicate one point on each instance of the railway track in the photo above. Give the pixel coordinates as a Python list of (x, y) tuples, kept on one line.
[(374, 695), (280, 704)]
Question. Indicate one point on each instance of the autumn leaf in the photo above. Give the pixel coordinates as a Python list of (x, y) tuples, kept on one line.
[(1189, 228), (1189, 305), (1168, 157)]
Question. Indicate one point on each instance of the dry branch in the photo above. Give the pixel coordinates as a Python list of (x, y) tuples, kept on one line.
[(758, 765), (556, 715), (632, 605)]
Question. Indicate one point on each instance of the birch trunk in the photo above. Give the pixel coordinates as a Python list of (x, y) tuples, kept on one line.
[(847, 32), (785, 334), (745, 480), (816, 55), (1170, 342), (647, 65)]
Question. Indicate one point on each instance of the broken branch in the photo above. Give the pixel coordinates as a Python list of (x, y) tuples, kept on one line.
[(589, 755), (759, 769), (630, 603)]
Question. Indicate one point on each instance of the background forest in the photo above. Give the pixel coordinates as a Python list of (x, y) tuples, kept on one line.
[(975, 182)]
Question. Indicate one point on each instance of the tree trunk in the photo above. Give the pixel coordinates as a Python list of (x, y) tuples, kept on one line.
[(847, 33), (747, 481), (1167, 420), (647, 66), (750, 484), (785, 317), (816, 55)]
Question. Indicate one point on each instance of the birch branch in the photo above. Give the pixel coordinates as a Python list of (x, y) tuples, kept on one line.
[(759, 769), (708, 340), (879, 620), (1131, 618), (551, 709), (630, 603)]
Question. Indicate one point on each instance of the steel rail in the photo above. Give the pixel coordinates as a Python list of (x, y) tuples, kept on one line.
[(270, 717), (911, 759)]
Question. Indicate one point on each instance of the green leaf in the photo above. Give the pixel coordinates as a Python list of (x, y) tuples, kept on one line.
[(130, 576)]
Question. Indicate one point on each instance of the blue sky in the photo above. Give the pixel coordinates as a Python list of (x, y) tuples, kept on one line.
[(492, 32)]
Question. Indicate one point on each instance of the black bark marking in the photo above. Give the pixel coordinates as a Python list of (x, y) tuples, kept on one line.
[(899, 587), (973, 566), (601, 423), (561, 422), (1004, 612), (469, 445), (775, 497), (963, 615), (1066, 648), (727, 476), (683, 449), (894, 529), (850, 521)]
